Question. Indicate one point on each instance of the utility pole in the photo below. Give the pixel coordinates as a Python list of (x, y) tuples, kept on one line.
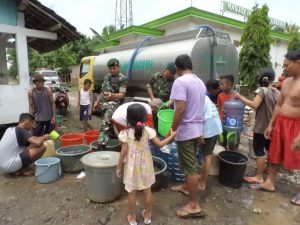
[(123, 14)]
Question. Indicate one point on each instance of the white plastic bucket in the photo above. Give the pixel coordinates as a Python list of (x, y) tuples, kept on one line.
[(47, 170)]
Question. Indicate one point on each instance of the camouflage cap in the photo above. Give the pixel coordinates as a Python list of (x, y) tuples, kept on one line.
[(38, 77), (171, 66), (113, 62)]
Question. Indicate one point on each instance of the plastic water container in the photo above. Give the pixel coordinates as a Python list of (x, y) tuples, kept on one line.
[(50, 149), (177, 174), (233, 114)]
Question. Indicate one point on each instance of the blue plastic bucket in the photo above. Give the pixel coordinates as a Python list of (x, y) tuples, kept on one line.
[(47, 170)]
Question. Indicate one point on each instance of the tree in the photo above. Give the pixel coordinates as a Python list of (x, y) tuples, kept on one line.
[(294, 42), (12, 60), (62, 58), (107, 30), (256, 44), (293, 31)]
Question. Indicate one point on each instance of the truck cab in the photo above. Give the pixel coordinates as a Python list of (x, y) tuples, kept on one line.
[(86, 71), (51, 77)]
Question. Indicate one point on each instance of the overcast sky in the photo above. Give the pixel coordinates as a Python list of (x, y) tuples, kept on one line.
[(97, 14)]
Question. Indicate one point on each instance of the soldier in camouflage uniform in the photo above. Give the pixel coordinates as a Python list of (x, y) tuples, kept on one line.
[(160, 84), (113, 92)]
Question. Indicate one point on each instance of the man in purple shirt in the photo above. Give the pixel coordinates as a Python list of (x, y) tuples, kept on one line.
[(188, 93)]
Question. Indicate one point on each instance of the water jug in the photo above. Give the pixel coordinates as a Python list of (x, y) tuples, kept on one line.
[(176, 174), (233, 114)]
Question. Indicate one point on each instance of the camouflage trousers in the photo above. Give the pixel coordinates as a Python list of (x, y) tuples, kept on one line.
[(106, 124)]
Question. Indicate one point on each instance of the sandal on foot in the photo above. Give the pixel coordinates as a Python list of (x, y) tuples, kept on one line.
[(146, 220), (130, 221), (180, 189), (186, 213), (296, 200), (251, 180)]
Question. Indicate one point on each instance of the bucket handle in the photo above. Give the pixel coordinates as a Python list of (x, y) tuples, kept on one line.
[(164, 104), (38, 174)]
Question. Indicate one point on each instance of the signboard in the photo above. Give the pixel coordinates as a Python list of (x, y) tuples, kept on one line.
[(241, 11)]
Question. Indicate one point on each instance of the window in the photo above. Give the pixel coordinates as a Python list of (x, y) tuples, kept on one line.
[(8, 60), (84, 68)]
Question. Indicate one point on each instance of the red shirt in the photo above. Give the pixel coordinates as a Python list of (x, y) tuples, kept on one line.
[(222, 97)]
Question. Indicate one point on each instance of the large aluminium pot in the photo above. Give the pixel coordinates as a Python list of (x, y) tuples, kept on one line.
[(102, 183)]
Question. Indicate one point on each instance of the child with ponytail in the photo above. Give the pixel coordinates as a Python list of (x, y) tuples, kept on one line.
[(138, 168)]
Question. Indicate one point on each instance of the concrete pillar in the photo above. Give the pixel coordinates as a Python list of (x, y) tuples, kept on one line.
[(22, 53)]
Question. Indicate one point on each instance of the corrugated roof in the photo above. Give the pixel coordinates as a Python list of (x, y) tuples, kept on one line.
[(39, 17)]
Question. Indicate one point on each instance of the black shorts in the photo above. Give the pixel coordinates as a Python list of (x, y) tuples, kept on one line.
[(84, 113), (208, 148), (26, 161), (42, 127), (260, 144)]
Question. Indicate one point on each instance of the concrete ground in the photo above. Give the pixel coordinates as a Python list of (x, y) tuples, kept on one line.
[(23, 201)]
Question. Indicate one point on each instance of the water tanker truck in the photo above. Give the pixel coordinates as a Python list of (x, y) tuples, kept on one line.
[(212, 54)]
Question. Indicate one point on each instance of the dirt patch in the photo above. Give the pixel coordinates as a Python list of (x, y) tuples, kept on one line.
[(25, 202)]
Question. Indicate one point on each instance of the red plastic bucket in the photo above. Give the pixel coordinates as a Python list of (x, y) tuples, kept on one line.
[(90, 136), (71, 139)]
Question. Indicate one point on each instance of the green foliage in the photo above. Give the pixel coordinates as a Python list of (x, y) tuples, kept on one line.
[(12, 59), (294, 42), (63, 58), (107, 30), (293, 31), (256, 43)]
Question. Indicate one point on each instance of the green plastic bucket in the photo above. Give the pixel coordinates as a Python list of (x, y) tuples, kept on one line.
[(58, 120), (165, 120)]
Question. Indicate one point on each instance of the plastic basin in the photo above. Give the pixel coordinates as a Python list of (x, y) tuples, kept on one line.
[(71, 139), (70, 157)]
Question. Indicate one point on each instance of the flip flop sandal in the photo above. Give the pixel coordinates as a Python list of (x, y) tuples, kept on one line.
[(129, 220), (190, 214), (146, 221), (251, 180), (296, 200), (260, 188), (180, 190)]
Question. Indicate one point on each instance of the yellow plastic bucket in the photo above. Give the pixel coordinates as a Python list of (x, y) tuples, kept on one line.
[(165, 120)]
